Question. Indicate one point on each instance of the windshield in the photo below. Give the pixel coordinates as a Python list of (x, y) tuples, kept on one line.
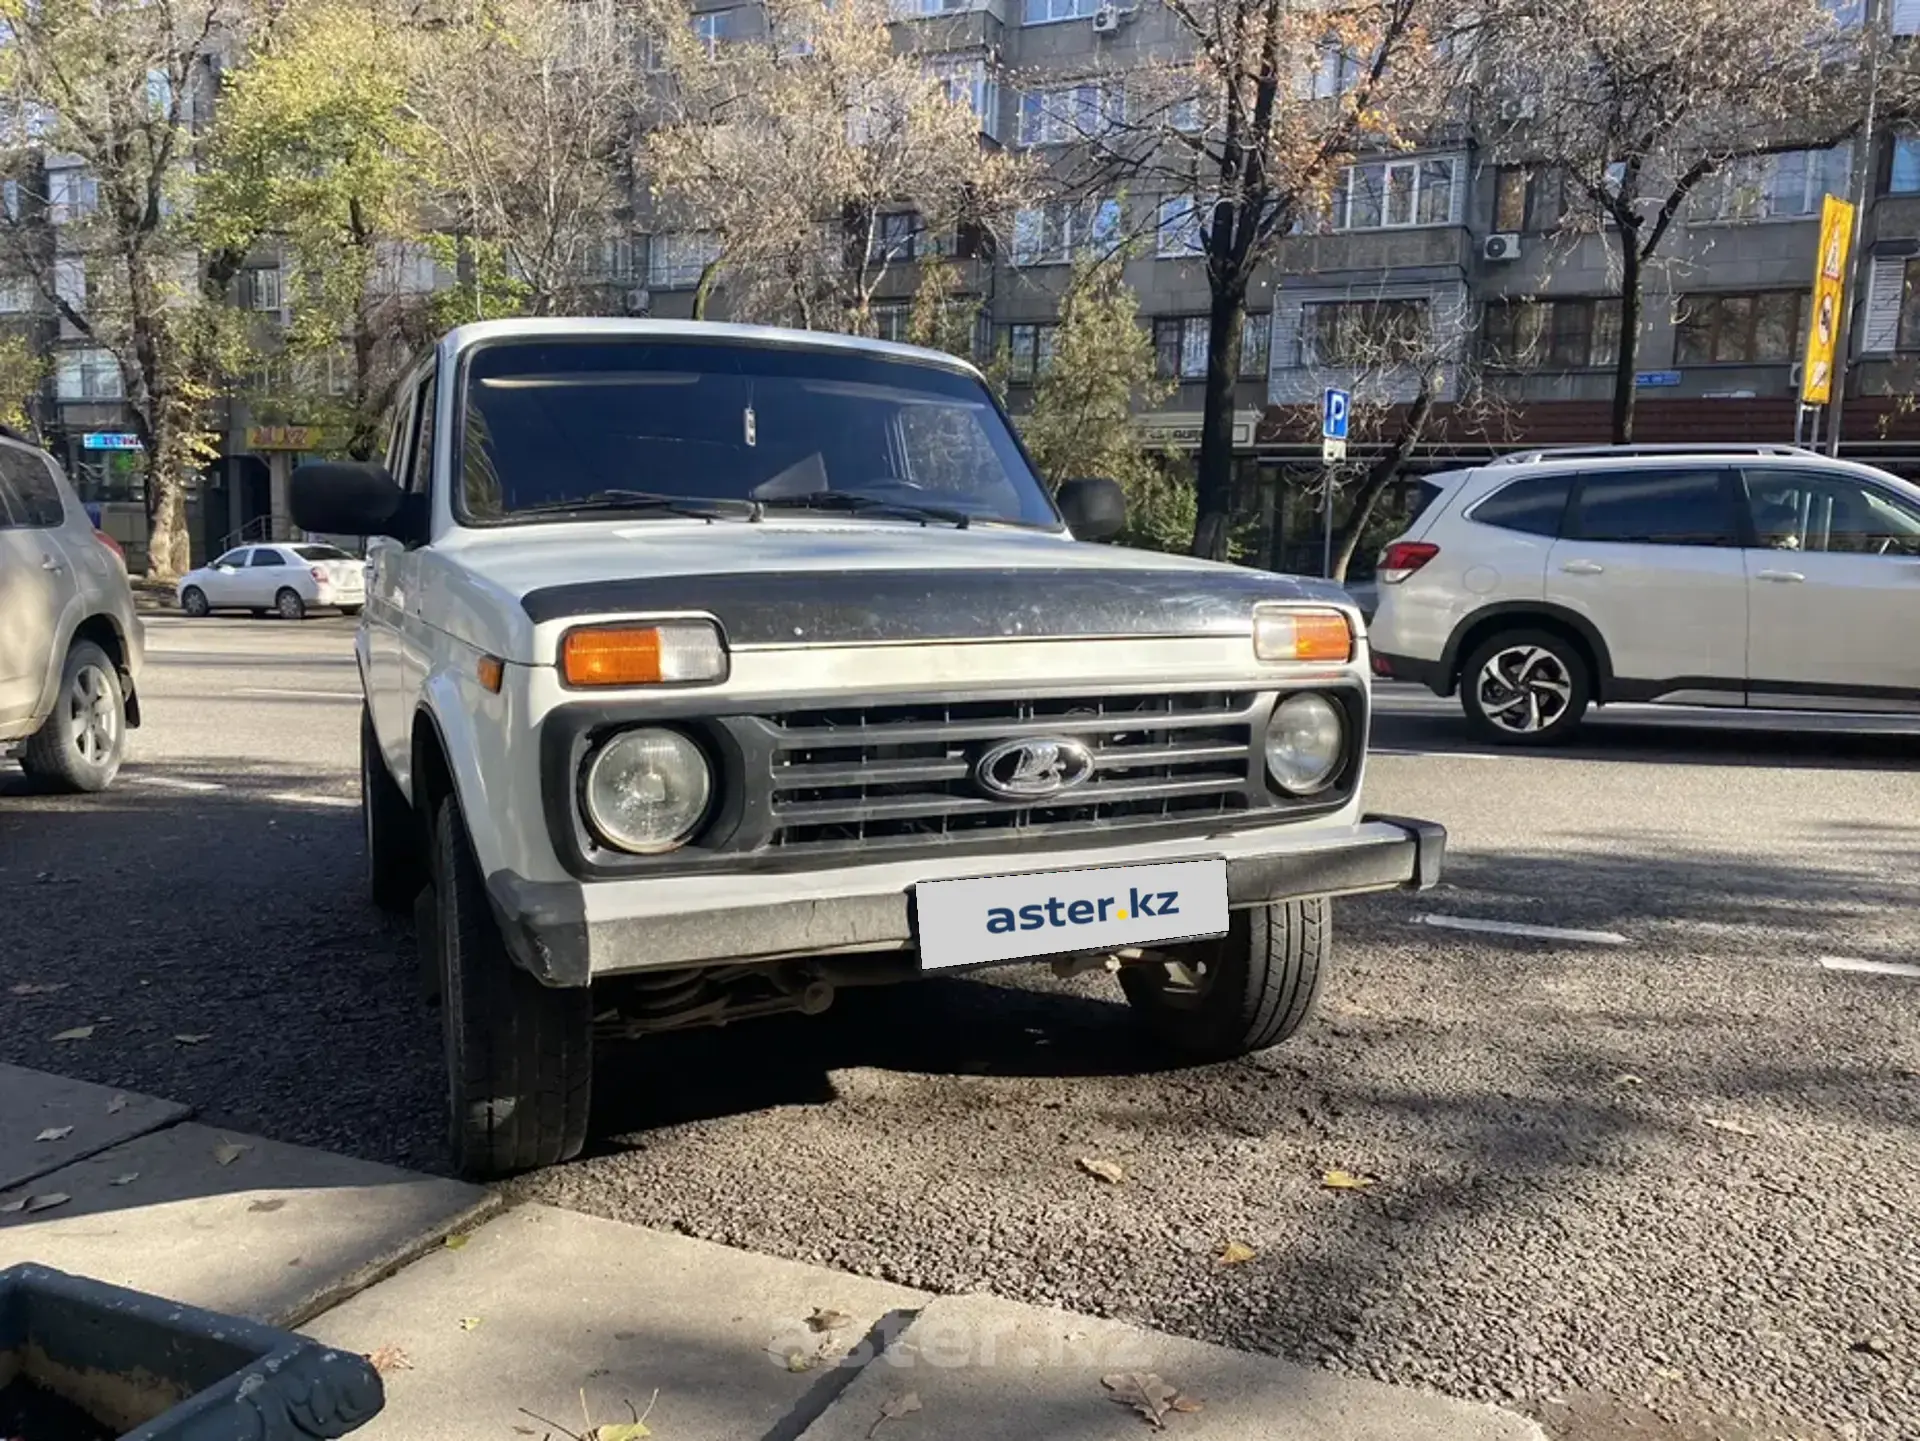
[(320, 552), (553, 428)]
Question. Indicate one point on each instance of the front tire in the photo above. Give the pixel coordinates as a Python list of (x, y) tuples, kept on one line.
[(1525, 688), (350, 610), (193, 601), (1242, 992), (288, 605), (519, 1054), (82, 743), (396, 870)]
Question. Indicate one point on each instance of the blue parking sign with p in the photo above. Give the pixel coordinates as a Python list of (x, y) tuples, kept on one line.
[(1333, 414)]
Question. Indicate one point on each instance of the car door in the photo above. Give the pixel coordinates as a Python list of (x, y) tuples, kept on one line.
[(265, 574), (1833, 591), (1651, 557), (391, 569), (36, 588), (222, 582)]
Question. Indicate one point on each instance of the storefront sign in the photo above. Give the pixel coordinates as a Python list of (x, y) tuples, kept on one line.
[(283, 437), (1180, 430), (109, 440)]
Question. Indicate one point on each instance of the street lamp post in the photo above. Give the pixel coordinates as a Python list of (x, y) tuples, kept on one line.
[(1863, 170)]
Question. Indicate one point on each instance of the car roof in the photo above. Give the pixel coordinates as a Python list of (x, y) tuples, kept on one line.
[(465, 337)]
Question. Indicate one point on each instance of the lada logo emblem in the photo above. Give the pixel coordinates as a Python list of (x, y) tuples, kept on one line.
[(1031, 770)]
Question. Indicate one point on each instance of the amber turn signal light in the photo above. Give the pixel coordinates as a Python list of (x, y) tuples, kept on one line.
[(1314, 635), (671, 653), (492, 671)]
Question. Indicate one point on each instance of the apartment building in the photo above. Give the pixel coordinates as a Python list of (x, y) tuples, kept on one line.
[(1439, 239)]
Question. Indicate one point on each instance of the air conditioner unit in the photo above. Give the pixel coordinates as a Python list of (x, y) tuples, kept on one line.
[(1106, 20), (1500, 247), (1796, 373), (639, 302)]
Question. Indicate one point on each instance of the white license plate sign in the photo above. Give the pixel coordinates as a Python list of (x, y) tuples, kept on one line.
[(1049, 913)]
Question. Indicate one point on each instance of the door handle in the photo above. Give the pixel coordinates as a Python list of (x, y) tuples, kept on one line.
[(1785, 577), (1583, 567), (48, 562)]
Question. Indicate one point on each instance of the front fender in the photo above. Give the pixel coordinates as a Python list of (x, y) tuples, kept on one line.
[(493, 767)]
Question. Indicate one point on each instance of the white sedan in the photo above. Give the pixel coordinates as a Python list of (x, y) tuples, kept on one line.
[(288, 580)]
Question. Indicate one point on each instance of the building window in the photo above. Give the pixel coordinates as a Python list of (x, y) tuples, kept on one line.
[(1762, 329), (16, 295), (1180, 347), (406, 268), (1054, 234), (259, 288), (1903, 168), (1066, 113), (1045, 12), (1907, 337), (72, 194), (1779, 187), (1579, 334), (1256, 336), (894, 237), (676, 258), (1364, 332), (1029, 352), (1395, 194), (70, 283), (973, 83), (1179, 232), (893, 320), (87, 375), (10, 198), (713, 28), (1905, 17), (1521, 197), (1337, 71), (914, 9)]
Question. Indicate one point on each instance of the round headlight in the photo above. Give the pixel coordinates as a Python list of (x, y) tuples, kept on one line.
[(646, 790), (1306, 743)]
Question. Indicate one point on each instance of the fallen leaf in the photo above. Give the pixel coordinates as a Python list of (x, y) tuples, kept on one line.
[(1732, 1127), (272, 1204), (48, 1201), (619, 1431), (1345, 1181), (116, 1105), (55, 1133), (78, 1033), (1237, 1253), (36, 988), (227, 1152), (126, 1180), (1629, 1080), (1666, 1373), (798, 1361), (469, 1323), (824, 1319), (455, 1243), (194, 1040), (525, 1431), (1146, 1393), (389, 1358), (1186, 1405), (1112, 1172), (10, 1207), (905, 1404)]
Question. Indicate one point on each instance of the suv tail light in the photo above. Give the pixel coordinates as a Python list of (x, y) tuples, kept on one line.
[(317, 573), (111, 544), (1402, 559)]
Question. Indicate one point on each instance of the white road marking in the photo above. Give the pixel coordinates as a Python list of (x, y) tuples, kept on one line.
[(1515, 928), (1448, 755), (1872, 968), (174, 783), (296, 798), (303, 694)]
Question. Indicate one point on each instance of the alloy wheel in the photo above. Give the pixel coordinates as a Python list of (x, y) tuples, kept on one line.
[(1524, 689), (94, 715)]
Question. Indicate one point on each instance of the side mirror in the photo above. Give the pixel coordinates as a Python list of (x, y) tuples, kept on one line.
[(1095, 509), (344, 497)]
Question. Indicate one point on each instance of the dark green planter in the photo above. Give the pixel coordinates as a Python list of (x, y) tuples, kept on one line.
[(152, 1370)]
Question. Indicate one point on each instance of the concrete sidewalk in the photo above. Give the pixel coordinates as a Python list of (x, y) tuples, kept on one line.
[(536, 1322)]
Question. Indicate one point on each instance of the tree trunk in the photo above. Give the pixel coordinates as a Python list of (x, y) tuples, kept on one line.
[(1626, 364), (1346, 538), (169, 547), (1213, 483)]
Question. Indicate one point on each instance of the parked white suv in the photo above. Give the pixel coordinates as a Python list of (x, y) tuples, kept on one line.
[(70, 643), (1762, 576), (710, 669)]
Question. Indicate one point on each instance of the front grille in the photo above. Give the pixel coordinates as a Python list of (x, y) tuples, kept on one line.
[(903, 775)]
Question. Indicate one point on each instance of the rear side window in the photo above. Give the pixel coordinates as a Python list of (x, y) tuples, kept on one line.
[(264, 556), (1684, 505), (33, 499), (1534, 506), (320, 552), (1423, 499)]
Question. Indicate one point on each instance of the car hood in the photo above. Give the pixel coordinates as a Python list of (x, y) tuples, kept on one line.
[(869, 582)]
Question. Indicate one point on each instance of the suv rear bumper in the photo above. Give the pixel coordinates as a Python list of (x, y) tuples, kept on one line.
[(1433, 674), (561, 933)]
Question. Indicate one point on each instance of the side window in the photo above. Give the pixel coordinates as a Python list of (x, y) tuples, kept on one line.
[(1534, 506), (1804, 510), (1684, 505), (419, 474), (34, 496), (267, 556), (399, 432), (234, 558)]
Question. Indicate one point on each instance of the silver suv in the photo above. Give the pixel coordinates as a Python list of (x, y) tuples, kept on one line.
[(1759, 576), (70, 643)]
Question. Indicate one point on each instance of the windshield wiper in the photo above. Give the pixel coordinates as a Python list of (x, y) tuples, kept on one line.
[(853, 500), (691, 506)]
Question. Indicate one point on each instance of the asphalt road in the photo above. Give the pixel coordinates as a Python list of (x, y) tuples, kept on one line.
[(1659, 1182)]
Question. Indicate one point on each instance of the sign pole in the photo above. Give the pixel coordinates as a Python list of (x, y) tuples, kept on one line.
[(1861, 182), (1336, 410)]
